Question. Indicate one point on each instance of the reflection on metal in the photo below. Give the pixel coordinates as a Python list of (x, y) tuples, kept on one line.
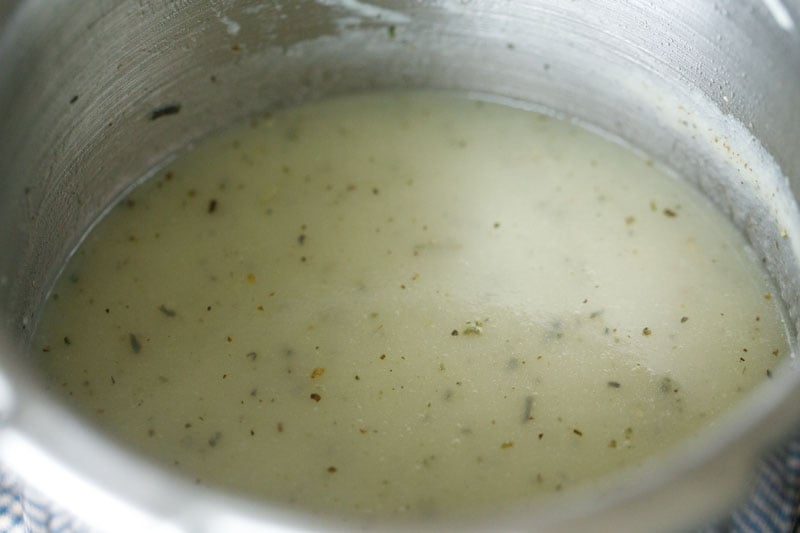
[(780, 14)]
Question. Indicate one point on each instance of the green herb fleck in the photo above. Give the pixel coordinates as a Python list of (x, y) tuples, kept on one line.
[(214, 439), (667, 385), (474, 327), (136, 346), (528, 415)]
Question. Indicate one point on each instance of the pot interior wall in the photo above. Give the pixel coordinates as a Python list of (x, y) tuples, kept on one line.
[(102, 93)]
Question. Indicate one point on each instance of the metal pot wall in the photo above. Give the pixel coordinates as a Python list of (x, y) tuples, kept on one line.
[(94, 95)]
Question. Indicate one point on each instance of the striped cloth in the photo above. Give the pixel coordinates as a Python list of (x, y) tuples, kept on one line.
[(773, 505), (23, 510)]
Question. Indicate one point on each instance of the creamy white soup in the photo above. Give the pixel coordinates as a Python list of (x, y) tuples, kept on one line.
[(409, 305)]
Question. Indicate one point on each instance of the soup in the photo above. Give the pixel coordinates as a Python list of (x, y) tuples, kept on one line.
[(409, 305)]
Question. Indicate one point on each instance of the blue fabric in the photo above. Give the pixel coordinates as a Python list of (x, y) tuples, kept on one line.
[(23, 510), (773, 505)]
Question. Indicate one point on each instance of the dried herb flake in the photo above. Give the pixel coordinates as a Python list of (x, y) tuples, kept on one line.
[(214, 439), (136, 346), (165, 110)]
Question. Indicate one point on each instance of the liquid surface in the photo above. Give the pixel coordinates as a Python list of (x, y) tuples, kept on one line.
[(409, 305)]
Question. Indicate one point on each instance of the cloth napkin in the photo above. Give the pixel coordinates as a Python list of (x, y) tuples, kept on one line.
[(774, 504), (24, 510)]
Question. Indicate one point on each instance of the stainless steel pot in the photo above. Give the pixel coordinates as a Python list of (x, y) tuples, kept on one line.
[(95, 94)]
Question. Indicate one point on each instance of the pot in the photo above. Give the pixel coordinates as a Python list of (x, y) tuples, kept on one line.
[(96, 95)]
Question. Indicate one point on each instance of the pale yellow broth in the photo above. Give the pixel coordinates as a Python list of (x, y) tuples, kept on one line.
[(409, 304)]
